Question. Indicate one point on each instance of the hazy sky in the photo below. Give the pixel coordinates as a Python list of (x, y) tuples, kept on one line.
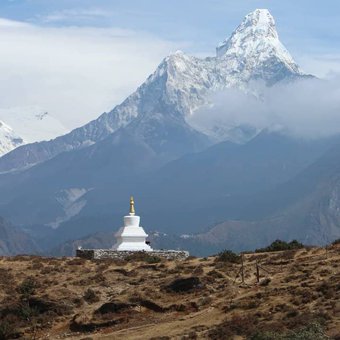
[(77, 58)]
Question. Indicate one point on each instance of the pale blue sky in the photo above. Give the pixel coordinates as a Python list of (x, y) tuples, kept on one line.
[(304, 24)]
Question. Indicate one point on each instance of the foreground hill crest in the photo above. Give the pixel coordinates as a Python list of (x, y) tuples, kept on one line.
[(199, 298)]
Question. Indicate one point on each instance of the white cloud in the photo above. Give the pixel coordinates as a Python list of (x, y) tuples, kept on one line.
[(76, 14), (306, 108), (321, 65), (75, 73)]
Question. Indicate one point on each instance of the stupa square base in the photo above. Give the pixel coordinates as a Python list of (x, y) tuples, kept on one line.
[(100, 254)]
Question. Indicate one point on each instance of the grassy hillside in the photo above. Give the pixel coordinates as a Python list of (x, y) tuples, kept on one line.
[(297, 297)]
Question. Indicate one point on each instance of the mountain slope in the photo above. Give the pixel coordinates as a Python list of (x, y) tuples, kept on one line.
[(179, 86), (14, 241), (110, 162), (201, 189), (90, 187), (305, 208)]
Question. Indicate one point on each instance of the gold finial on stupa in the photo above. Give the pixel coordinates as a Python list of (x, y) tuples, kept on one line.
[(132, 206)]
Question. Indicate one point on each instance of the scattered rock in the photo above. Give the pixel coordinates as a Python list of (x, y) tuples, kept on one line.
[(78, 324), (113, 307), (183, 285), (152, 306)]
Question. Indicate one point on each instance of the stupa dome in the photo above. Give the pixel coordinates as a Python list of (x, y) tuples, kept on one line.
[(131, 237)]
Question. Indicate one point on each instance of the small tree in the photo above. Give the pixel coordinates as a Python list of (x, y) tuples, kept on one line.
[(279, 245), (228, 256)]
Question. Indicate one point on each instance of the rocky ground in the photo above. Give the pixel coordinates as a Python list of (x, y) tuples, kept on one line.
[(298, 295)]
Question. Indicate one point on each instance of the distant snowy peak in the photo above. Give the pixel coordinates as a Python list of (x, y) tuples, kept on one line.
[(32, 123), (254, 43), (9, 140)]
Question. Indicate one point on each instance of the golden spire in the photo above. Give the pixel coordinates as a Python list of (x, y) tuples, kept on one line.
[(132, 206)]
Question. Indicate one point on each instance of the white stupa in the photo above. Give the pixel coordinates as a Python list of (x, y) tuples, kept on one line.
[(132, 236)]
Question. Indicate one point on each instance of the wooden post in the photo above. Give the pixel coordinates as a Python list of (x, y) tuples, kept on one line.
[(257, 272), (238, 273), (242, 271)]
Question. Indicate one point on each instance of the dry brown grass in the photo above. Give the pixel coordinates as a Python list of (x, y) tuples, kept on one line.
[(76, 299)]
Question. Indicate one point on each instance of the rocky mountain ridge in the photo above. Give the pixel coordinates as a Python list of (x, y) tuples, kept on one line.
[(179, 86)]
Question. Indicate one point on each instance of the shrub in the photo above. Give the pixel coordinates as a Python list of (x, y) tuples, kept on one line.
[(228, 256), (337, 241), (325, 289), (91, 296), (6, 278), (76, 262), (279, 245), (37, 266), (238, 325), (27, 287), (265, 282), (26, 312), (7, 329), (215, 274)]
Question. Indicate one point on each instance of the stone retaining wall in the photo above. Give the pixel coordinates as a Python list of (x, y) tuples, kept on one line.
[(98, 254)]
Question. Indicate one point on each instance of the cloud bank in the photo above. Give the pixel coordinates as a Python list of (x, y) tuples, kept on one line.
[(306, 108), (74, 73)]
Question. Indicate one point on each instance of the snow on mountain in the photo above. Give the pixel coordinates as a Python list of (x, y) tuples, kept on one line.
[(253, 52), (253, 45), (32, 123), (9, 140), (159, 111)]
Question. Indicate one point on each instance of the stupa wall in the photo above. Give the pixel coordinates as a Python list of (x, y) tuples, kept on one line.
[(99, 254)]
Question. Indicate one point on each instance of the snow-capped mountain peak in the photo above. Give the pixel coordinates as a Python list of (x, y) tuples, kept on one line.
[(254, 43), (162, 111), (257, 27), (260, 23)]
